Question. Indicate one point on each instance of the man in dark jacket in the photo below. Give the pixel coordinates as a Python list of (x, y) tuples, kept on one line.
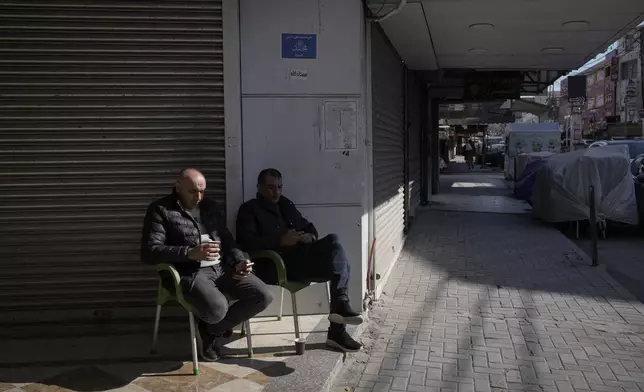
[(271, 222), (189, 231)]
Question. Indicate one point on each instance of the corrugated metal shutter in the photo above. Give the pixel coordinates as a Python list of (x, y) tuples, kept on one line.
[(388, 150), (415, 118), (101, 104)]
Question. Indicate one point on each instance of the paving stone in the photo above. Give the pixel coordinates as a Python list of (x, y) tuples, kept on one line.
[(497, 303)]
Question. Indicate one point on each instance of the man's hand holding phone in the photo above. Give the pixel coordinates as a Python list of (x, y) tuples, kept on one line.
[(291, 238), (243, 269), (307, 238)]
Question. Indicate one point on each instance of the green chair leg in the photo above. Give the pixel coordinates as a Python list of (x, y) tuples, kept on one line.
[(155, 334), (296, 320), (193, 340), (249, 340)]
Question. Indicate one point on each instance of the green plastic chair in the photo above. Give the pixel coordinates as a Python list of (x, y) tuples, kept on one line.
[(170, 290), (282, 281)]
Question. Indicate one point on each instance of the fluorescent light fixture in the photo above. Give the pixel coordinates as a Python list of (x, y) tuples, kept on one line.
[(576, 24), (482, 26), (554, 49)]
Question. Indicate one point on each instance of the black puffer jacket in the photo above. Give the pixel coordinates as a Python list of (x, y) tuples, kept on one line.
[(258, 223), (169, 232)]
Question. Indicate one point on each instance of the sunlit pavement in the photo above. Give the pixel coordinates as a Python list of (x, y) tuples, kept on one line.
[(124, 364), (481, 190), (482, 302)]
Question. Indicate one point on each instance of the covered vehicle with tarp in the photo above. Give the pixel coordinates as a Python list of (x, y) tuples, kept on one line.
[(523, 160), (528, 175), (561, 190)]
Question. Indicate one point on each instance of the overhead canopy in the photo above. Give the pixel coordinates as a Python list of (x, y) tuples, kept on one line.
[(524, 106), (467, 113), (506, 34)]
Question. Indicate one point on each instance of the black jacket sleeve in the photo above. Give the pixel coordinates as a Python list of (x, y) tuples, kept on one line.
[(303, 223), (248, 234), (309, 227), (153, 237), (232, 252)]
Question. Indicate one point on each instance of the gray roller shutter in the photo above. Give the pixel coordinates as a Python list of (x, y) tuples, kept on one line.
[(388, 150), (415, 118), (101, 104)]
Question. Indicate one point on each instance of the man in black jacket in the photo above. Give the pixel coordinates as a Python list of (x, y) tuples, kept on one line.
[(189, 231), (271, 222)]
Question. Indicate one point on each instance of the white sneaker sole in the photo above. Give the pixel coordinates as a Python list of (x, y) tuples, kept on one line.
[(334, 344), (338, 319)]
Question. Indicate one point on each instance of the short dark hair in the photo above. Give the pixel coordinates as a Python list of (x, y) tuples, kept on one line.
[(266, 173)]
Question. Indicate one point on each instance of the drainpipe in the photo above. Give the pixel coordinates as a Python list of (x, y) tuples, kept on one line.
[(388, 15)]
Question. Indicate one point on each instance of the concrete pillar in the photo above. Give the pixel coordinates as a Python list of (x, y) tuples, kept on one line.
[(291, 108)]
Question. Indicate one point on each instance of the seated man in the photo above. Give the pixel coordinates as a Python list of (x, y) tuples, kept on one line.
[(189, 231), (271, 222)]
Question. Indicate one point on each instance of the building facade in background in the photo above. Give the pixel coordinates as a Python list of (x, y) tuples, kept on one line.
[(629, 83), (600, 89), (614, 101)]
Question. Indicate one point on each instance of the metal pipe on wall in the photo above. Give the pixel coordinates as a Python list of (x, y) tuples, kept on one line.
[(424, 151), (435, 144)]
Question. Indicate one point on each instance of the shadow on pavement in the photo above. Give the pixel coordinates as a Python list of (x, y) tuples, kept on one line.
[(82, 369)]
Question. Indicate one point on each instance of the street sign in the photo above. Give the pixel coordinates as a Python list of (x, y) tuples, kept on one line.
[(577, 101), (299, 46), (576, 86)]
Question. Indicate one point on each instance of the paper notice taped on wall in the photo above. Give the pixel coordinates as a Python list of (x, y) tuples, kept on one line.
[(340, 125)]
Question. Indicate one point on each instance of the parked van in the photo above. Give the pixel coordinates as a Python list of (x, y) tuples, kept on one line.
[(521, 138)]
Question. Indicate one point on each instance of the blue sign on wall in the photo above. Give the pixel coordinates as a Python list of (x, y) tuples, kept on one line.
[(299, 46)]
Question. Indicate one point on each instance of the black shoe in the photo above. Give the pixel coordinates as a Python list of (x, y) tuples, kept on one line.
[(341, 340), (341, 313), (207, 344)]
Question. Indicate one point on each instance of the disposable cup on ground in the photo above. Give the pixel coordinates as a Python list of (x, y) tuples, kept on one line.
[(300, 346)]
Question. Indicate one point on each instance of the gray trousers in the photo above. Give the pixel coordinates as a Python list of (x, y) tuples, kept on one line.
[(212, 289)]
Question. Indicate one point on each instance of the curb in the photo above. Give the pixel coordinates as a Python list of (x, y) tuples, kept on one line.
[(343, 357)]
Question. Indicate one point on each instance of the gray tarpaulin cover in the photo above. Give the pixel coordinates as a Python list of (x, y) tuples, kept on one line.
[(524, 160), (562, 189)]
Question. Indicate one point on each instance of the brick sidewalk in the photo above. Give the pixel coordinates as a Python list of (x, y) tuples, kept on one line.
[(498, 302)]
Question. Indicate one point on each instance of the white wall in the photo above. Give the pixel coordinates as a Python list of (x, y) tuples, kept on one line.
[(283, 124)]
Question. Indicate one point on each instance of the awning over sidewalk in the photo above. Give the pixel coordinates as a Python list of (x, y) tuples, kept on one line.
[(540, 39), (524, 106)]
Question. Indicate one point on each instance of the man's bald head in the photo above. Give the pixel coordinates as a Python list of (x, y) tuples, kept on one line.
[(190, 187)]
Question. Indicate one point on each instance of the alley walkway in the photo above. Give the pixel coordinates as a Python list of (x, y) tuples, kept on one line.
[(482, 302), (480, 190)]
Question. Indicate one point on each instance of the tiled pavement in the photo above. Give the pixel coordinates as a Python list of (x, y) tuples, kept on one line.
[(129, 368), (623, 256), (233, 375), (477, 192), (483, 302)]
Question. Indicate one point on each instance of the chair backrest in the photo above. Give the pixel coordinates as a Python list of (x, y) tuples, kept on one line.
[(167, 281)]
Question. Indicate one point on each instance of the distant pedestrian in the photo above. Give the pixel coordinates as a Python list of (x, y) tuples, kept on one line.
[(468, 151)]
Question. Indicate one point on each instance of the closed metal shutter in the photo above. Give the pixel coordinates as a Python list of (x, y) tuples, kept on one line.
[(101, 104), (388, 150), (415, 118)]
